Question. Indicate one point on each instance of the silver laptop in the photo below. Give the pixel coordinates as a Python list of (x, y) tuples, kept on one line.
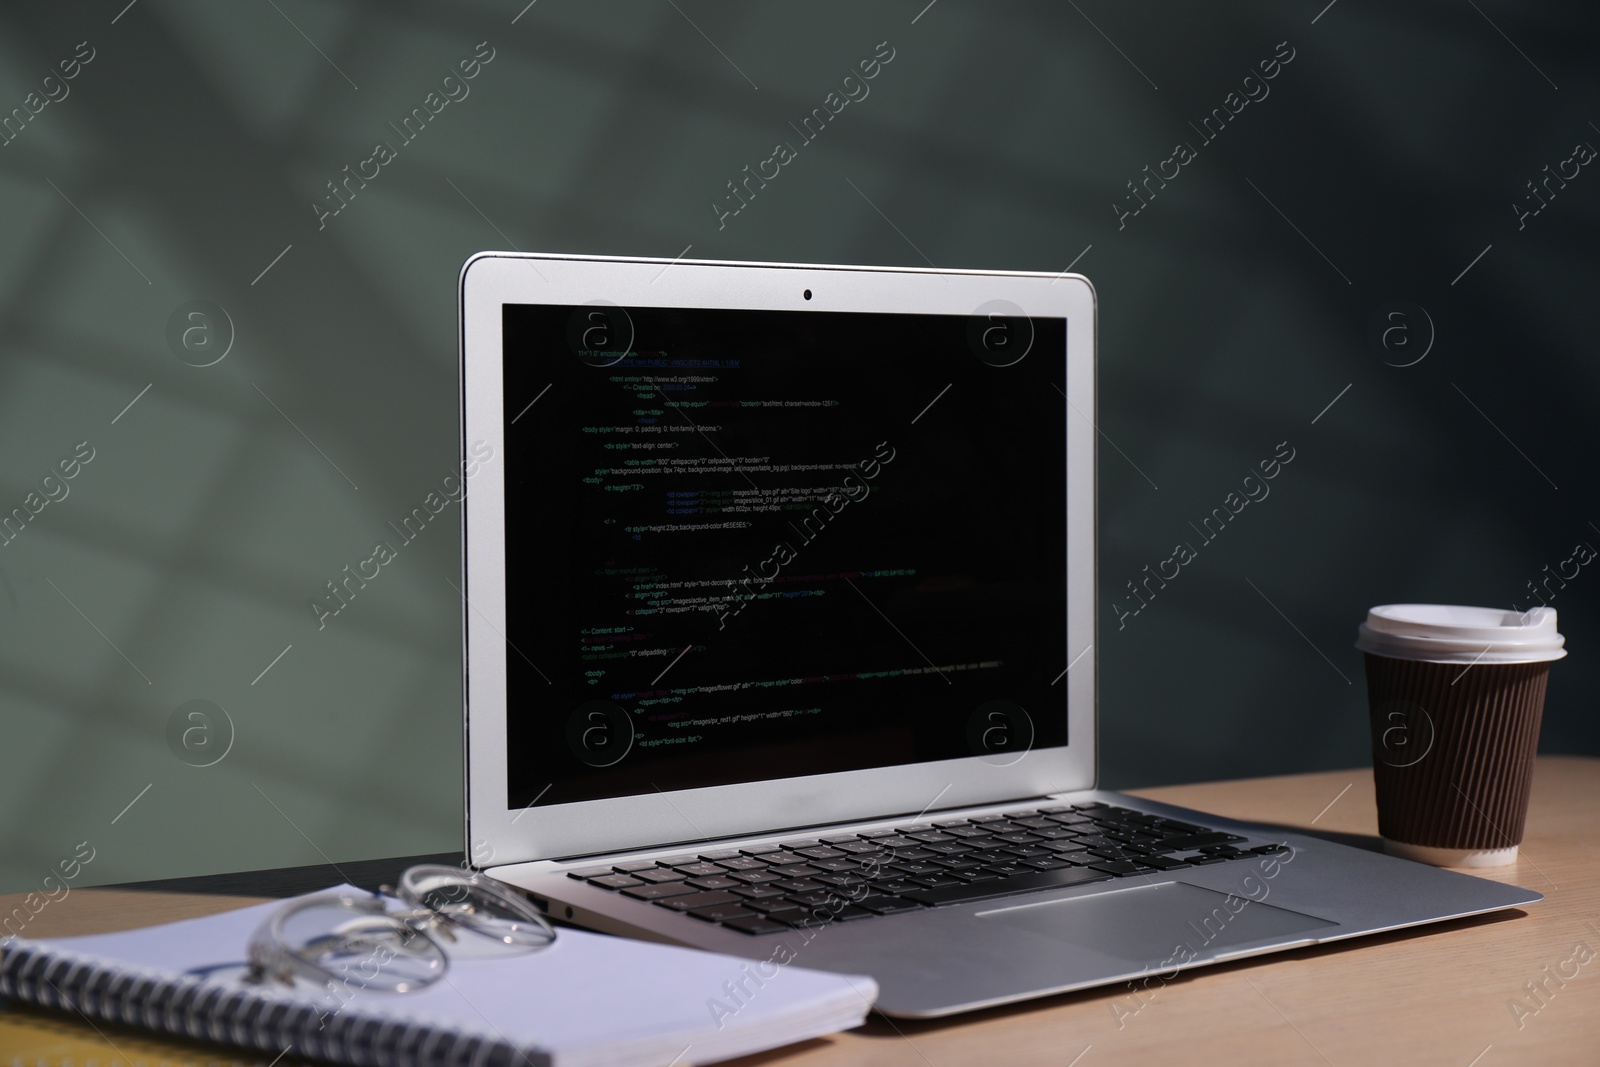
[(780, 639)]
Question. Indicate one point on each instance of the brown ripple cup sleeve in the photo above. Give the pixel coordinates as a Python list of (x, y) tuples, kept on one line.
[(1455, 695)]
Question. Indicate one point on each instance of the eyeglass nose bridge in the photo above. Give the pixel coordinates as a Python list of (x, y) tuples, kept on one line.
[(425, 921)]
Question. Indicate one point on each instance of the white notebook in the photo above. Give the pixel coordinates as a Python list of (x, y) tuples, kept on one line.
[(587, 1000)]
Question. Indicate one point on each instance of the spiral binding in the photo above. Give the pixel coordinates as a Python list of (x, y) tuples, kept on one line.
[(265, 1019)]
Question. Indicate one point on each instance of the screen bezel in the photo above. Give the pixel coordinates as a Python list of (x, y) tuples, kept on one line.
[(496, 834)]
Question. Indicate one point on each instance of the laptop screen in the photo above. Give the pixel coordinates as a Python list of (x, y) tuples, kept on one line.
[(748, 545)]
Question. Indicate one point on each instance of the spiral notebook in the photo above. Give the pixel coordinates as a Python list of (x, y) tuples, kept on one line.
[(588, 1000)]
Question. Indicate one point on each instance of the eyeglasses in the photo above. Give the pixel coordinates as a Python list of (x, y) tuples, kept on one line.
[(356, 938)]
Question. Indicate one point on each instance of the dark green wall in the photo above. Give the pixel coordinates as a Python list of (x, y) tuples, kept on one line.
[(184, 160)]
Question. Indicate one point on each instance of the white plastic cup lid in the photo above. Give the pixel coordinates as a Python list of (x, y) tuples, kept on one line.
[(1450, 633)]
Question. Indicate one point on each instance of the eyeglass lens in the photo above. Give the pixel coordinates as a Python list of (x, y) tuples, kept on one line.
[(481, 907), (368, 951)]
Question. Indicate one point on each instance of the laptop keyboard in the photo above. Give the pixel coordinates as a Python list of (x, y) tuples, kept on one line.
[(766, 889)]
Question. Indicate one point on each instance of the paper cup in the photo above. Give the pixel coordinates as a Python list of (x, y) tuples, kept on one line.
[(1456, 695)]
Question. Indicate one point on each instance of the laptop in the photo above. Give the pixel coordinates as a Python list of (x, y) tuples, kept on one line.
[(780, 635)]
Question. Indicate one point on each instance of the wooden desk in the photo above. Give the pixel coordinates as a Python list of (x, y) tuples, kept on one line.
[(1441, 995)]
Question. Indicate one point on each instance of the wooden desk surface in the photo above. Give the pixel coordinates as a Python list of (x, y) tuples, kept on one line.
[(1441, 995)]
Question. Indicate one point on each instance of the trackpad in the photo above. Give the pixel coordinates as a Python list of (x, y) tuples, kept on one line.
[(1149, 922)]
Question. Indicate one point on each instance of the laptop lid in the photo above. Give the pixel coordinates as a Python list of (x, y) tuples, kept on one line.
[(756, 546)]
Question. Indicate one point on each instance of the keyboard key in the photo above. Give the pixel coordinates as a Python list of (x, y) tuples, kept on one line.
[(1161, 863), (801, 917), (957, 863), (721, 913), (658, 892), (715, 882), (725, 854), (1026, 850), (928, 837), (858, 848), (698, 900), (1049, 863), (797, 885), (742, 863), (893, 887), (918, 853), (793, 870), (849, 863), (1057, 810), (1071, 820), (933, 881), (770, 904), (1006, 870), (1182, 827), (615, 881), (896, 841), (754, 877), (1120, 867), (659, 874), (1096, 841), (967, 832), (821, 852), (1271, 850), (838, 840), (760, 850), (698, 870), (1034, 822), (813, 898), (1016, 838), (629, 868), (759, 892), (996, 855), (876, 871), (915, 866), (1023, 883), (755, 925), (1129, 815), (840, 879), (778, 915), (887, 905), (876, 833), (948, 825), (1067, 847), (977, 874), (949, 848), (1169, 844), (590, 872), (1054, 833), (1116, 857)]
